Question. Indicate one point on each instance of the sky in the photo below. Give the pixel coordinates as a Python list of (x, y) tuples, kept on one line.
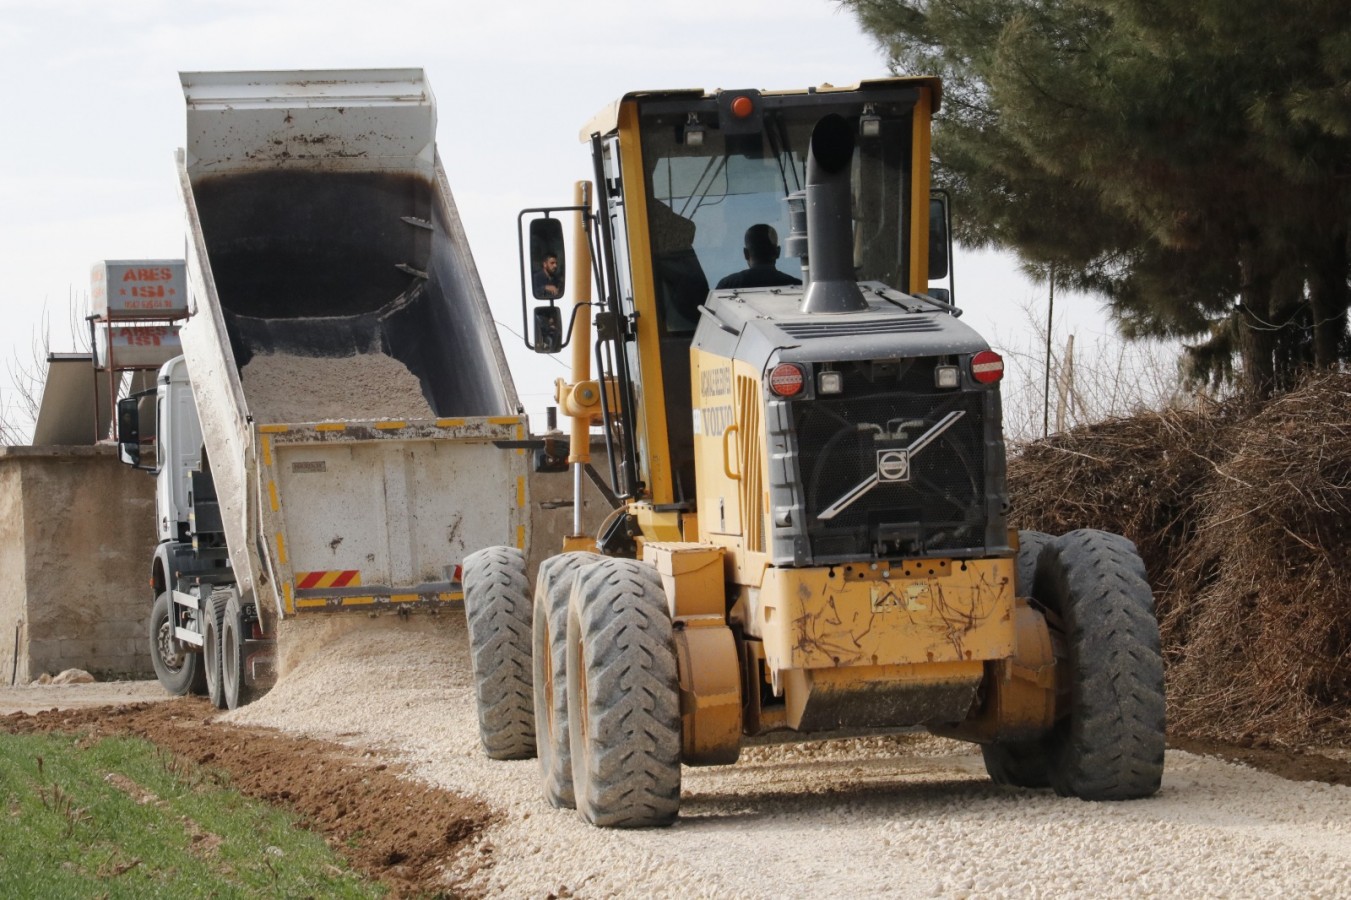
[(94, 112)]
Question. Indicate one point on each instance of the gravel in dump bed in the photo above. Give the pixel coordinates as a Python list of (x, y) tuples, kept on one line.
[(281, 388)]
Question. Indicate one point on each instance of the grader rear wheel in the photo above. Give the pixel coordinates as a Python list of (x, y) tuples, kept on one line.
[(1017, 763), (1021, 763), (497, 609), (1029, 549), (1111, 744), (623, 697), (553, 588)]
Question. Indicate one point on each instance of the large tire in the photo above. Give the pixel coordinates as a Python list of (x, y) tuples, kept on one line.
[(497, 607), (1022, 763), (177, 666), (623, 697), (233, 656), (553, 588), (213, 615), (1029, 549), (1111, 744), (1018, 763)]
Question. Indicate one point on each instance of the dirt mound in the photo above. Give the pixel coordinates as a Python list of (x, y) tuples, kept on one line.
[(1241, 514), (400, 832)]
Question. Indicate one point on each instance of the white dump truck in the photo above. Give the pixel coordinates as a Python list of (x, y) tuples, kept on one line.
[(341, 429)]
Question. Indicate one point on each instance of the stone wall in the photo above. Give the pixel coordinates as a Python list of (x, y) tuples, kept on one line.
[(75, 551)]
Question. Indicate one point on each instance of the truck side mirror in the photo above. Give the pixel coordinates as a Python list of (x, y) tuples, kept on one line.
[(940, 239), (548, 260), (548, 329), (129, 431)]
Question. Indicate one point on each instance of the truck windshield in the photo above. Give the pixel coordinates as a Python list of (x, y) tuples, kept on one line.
[(701, 199)]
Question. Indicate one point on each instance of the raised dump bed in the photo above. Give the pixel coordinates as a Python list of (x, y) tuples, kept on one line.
[(348, 388)]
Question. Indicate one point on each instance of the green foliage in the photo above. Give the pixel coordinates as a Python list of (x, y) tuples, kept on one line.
[(120, 818), (1191, 163)]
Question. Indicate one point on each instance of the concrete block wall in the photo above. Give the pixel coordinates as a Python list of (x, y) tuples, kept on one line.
[(76, 538), (12, 590)]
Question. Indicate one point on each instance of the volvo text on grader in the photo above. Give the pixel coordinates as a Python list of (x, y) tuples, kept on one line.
[(810, 531)]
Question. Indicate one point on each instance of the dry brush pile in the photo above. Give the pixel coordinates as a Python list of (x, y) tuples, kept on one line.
[(1242, 513)]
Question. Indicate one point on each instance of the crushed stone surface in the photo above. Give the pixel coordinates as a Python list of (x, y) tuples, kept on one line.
[(281, 388), (909, 816)]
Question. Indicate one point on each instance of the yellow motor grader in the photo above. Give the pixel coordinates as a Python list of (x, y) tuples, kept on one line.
[(807, 467)]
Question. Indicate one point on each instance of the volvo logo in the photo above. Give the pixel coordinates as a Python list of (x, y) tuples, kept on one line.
[(893, 465)]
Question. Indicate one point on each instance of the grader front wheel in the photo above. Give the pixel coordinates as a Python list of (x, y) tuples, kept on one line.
[(553, 588), (623, 697), (497, 609)]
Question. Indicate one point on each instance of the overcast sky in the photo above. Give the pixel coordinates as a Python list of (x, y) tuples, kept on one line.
[(93, 112)]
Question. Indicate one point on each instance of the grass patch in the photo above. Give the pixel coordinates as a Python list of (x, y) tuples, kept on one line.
[(118, 817)]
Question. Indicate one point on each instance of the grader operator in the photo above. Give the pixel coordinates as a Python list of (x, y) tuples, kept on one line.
[(810, 529)]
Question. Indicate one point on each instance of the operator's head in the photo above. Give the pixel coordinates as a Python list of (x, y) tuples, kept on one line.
[(762, 244), (550, 263)]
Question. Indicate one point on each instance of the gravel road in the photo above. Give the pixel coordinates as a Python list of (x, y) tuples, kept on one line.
[(911, 816)]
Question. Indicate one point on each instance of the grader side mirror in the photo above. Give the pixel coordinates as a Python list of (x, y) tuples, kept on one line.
[(548, 329), (548, 259)]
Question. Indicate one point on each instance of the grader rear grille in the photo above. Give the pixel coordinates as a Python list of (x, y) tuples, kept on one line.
[(890, 470)]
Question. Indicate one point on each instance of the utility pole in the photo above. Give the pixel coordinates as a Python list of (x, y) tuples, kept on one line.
[(1046, 383)]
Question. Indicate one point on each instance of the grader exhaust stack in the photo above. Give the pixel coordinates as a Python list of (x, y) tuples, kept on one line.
[(831, 287)]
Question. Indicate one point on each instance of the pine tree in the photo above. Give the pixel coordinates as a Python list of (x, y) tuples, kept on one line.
[(1191, 163)]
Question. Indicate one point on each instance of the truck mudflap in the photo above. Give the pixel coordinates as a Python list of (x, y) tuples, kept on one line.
[(362, 516)]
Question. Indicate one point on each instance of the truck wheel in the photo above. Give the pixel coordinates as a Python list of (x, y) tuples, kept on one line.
[(623, 697), (553, 588), (1029, 548), (177, 667), (1110, 745), (232, 657), (497, 607), (211, 656)]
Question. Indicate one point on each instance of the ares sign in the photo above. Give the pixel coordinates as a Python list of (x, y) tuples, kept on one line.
[(139, 289)]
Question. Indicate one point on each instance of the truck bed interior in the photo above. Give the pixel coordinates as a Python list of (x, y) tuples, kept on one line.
[(338, 263)]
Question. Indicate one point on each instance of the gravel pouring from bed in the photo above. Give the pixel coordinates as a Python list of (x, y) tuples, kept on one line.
[(912, 816)]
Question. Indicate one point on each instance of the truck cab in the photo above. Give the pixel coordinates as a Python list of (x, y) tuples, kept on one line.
[(178, 449)]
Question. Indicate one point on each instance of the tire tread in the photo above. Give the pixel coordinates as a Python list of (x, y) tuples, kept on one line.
[(498, 612), (627, 768), (1111, 747)]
